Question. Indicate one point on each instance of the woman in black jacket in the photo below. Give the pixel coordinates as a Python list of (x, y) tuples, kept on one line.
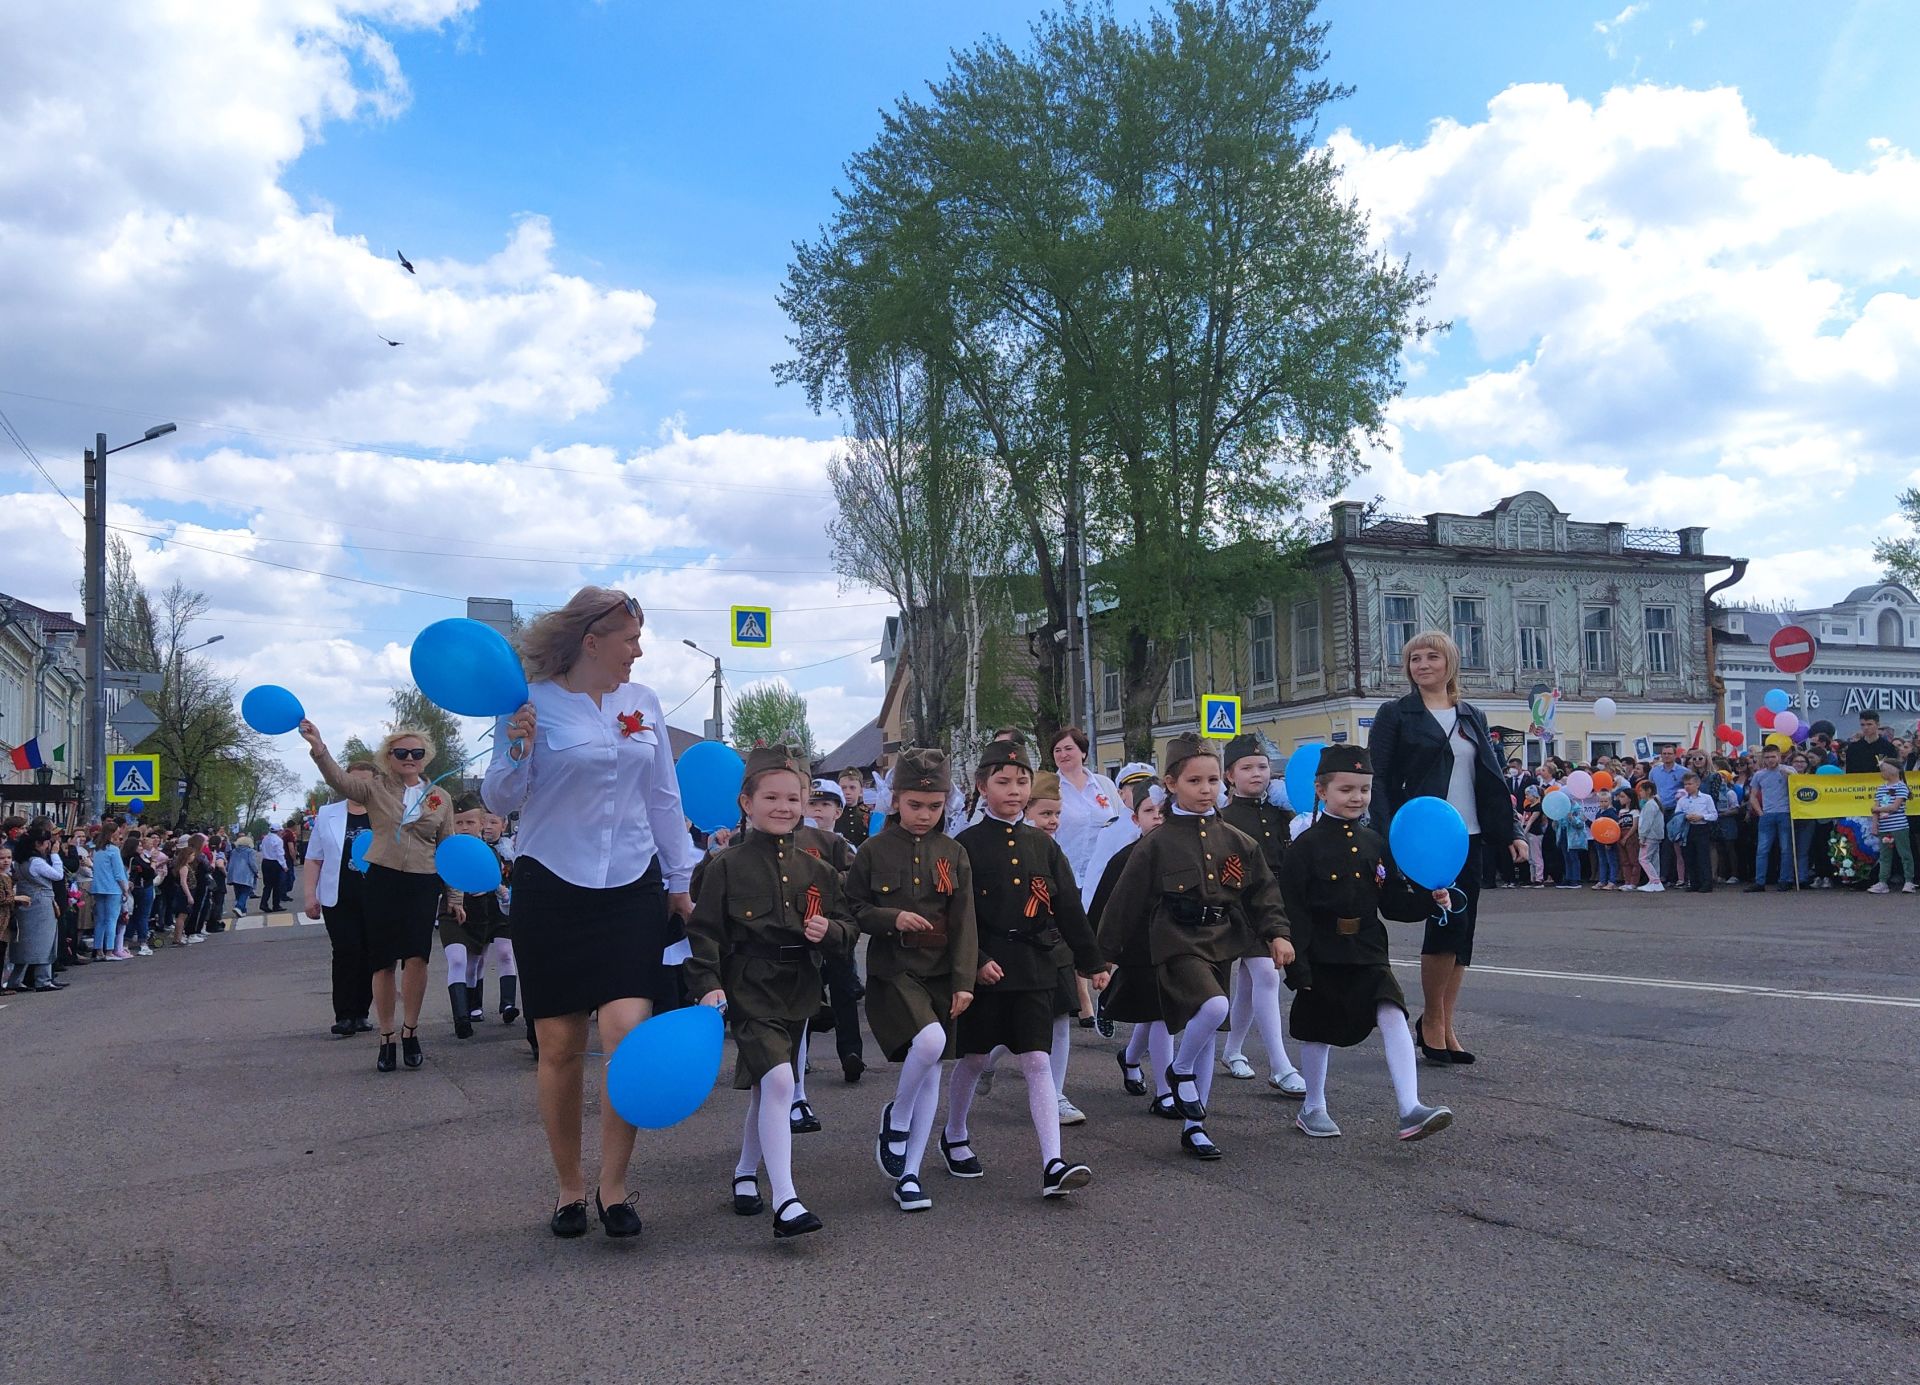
[(1431, 744)]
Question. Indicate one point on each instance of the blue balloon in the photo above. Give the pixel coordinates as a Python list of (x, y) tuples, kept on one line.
[(1776, 700), (1556, 804), (1828, 769), (468, 668), (271, 710), (136, 806), (711, 773), (875, 822), (467, 864), (1301, 766), (666, 1066), (362, 840), (1428, 839)]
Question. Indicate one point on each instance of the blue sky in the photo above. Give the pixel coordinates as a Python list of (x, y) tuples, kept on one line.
[(1679, 244)]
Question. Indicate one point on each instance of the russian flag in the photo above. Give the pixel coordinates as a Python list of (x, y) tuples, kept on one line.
[(28, 756)]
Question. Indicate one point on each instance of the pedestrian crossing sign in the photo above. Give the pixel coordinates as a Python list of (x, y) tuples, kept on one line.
[(1219, 717), (752, 627), (131, 776)]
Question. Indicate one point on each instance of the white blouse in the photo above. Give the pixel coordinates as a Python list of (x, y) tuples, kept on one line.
[(598, 799), (1083, 813), (1460, 778)]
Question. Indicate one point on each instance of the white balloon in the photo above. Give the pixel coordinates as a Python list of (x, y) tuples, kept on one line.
[(1580, 784), (1604, 708)]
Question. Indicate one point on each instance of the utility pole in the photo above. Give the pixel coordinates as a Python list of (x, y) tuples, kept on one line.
[(716, 729), (1081, 695)]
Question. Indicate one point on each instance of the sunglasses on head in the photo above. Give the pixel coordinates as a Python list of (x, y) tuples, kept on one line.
[(417, 753), (632, 609)]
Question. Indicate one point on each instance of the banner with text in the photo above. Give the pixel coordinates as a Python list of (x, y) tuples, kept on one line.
[(1842, 795)]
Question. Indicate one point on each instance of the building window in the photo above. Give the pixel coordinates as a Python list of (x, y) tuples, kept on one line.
[(1109, 689), (1183, 671), (1534, 647), (1260, 646), (1596, 639), (1402, 618), (1470, 630), (1306, 638), (1663, 642), (1597, 749)]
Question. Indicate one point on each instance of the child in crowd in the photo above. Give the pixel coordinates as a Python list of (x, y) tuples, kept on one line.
[(1132, 996), (1573, 842), (1336, 884), (1256, 981), (1533, 823), (1626, 851), (764, 906), (1890, 823), (1651, 827), (1698, 812)]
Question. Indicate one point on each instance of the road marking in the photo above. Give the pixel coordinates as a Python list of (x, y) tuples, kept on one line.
[(1714, 987)]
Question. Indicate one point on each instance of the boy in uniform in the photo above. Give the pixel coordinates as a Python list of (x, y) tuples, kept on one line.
[(1256, 982)]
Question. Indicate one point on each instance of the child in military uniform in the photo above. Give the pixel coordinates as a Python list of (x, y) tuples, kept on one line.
[(765, 905), (1336, 883), (911, 891), (855, 816), (468, 923), (1195, 893), (1025, 904), (1132, 996), (1256, 982)]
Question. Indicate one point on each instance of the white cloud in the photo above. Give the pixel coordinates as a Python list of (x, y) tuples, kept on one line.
[(1609, 29)]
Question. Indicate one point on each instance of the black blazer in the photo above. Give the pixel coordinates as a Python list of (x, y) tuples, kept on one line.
[(1411, 759)]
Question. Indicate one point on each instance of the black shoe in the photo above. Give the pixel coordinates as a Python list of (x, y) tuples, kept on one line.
[(1163, 1107), (363, 1025), (410, 1046), (1132, 1076), (619, 1220), (1202, 1148), (570, 1221), (797, 1225), (969, 1167), (1754, 889), (342, 1027), (509, 998), (1086, 1021), (385, 1062), (1436, 1056), (892, 1163), (477, 1000), (909, 1196), (1195, 1110), (749, 1203), (1060, 1178), (852, 1064), (462, 1020), (1459, 1057), (801, 1119)]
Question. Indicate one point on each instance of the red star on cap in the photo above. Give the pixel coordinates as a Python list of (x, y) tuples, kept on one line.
[(631, 723)]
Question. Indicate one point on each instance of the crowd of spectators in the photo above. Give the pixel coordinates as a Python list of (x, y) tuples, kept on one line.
[(1693, 819), (117, 890)]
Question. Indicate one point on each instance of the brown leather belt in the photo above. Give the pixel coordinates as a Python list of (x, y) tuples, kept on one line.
[(928, 941)]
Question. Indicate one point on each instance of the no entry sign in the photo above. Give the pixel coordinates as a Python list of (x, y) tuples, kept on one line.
[(1791, 649)]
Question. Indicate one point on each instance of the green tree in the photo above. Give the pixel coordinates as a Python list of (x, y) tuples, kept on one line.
[(769, 713), (411, 708), (1901, 557)]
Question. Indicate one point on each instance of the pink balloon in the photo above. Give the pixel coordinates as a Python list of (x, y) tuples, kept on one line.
[(1580, 784), (1786, 723)]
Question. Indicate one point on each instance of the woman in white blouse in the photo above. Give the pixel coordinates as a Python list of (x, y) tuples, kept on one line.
[(1088, 800), (600, 871)]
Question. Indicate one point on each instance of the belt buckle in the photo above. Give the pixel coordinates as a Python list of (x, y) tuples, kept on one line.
[(1347, 927)]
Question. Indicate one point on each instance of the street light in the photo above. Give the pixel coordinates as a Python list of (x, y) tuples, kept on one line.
[(715, 732), (96, 523)]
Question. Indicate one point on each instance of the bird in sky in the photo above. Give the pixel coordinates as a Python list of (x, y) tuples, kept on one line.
[(405, 263), (389, 340)]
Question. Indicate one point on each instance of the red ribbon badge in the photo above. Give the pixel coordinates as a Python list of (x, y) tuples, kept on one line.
[(1038, 898), (814, 852), (813, 902), (631, 723), (942, 875), (1232, 872)]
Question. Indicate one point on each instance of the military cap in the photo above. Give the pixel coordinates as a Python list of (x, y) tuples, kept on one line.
[(922, 771), (1343, 759), (1242, 747), (1046, 784), (1000, 753), (1183, 748), (764, 759)]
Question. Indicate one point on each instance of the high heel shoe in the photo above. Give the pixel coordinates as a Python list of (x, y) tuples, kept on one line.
[(385, 1062), (1437, 1056), (410, 1046)]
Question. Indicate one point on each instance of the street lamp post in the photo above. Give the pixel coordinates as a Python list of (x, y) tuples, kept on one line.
[(96, 523), (719, 732)]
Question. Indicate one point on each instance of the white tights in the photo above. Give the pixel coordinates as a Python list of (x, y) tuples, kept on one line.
[(1042, 1103), (917, 1099), (768, 1136), (1256, 1001), (1153, 1043), (800, 1066), (1195, 1053), (1395, 1036), (466, 965)]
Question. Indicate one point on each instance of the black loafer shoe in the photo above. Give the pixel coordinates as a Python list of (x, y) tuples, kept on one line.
[(363, 1025), (798, 1224), (570, 1220), (749, 1203), (342, 1027), (620, 1219), (853, 1065)]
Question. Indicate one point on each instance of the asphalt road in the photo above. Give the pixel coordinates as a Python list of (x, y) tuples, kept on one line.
[(1710, 1179)]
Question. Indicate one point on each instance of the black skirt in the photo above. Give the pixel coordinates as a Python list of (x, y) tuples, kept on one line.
[(1132, 995), (1022, 1020), (400, 907), (1342, 1005), (578, 948)]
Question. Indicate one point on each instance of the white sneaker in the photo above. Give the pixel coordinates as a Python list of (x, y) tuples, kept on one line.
[(144, 952), (1907, 888), (1071, 1114), (1237, 1065), (1655, 888), (1878, 887)]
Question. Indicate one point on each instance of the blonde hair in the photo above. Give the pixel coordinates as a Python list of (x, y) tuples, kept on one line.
[(1440, 640), (404, 733), (550, 644)]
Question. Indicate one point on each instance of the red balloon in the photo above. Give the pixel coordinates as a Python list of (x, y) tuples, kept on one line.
[(1724, 733), (1763, 718), (1736, 737)]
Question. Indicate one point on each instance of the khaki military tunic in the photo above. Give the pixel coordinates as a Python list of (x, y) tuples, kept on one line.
[(911, 977), (746, 936), (1270, 828), (1200, 893)]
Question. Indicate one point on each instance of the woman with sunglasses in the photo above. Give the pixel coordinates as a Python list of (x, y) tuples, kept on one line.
[(401, 894), (600, 872)]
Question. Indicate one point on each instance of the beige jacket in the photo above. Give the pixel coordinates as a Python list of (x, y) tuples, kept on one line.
[(408, 848)]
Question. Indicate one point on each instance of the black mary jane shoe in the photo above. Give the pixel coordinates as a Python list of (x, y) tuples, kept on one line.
[(410, 1053), (969, 1167), (1132, 1076), (389, 1051), (1189, 1110), (1060, 1178), (749, 1203), (1437, 1056), (785, 1226), (1163, 1107), (619, 1220), (801, 1120), (1206, 1151), (570, 1221)]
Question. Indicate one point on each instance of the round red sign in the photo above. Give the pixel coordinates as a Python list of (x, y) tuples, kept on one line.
[(1792, 649)]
